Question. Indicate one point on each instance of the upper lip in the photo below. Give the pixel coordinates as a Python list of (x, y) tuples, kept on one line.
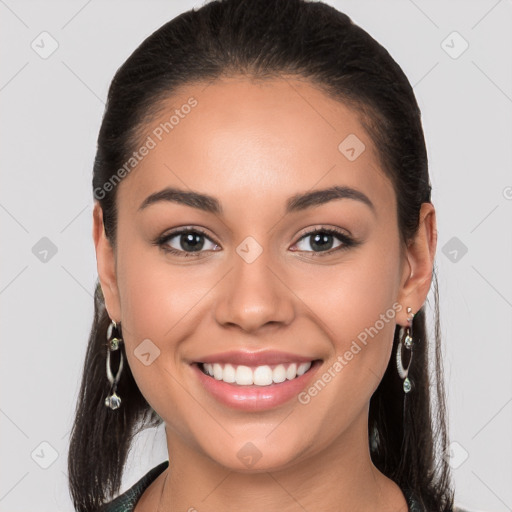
[(268, 357)]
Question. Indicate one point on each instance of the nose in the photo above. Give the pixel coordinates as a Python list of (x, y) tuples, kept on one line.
[(254, 295)]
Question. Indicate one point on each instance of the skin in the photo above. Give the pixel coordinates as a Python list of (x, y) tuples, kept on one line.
[(253, 145)]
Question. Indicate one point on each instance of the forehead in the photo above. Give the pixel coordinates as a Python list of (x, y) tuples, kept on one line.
[(240, 139)]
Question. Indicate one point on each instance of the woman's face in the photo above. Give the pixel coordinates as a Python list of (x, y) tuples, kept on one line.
[(260, 280)]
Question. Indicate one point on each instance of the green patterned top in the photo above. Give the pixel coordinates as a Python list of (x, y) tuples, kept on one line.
[(126, 501)]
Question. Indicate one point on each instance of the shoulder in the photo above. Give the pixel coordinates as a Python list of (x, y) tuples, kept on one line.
[(126, 502)]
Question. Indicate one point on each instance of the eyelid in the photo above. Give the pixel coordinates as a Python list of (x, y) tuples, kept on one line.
[(323, 227), (186, 229)]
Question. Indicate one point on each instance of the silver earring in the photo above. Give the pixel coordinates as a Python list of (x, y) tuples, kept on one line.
[(405, 340), (114, 340)]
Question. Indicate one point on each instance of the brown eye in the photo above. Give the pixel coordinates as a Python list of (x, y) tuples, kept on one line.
[(185, 242), (322, 241)]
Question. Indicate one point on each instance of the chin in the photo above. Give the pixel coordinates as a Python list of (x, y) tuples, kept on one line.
[(259, 455)]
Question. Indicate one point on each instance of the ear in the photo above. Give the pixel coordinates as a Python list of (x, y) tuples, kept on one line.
[(106, 263), (418, 269)]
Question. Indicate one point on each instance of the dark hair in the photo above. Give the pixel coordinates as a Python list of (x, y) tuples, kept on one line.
[(263, 39)]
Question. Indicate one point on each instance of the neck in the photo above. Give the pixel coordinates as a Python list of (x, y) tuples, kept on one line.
[(337, 478)]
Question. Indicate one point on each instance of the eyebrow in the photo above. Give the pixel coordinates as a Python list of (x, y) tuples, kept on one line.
[(295, 203)]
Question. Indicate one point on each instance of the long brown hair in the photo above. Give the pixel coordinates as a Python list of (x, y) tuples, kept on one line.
[(269, 38)]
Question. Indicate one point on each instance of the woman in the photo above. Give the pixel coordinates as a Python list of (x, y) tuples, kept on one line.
[(265, 241)]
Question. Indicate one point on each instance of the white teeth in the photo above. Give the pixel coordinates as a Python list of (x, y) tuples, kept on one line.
[(260, 376), (303, 368), (263, 376), (217, 371), (279, 374), (229, 373), (243, 376), (291, 372)]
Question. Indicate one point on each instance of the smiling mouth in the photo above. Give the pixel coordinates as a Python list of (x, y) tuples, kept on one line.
[(264, 375)]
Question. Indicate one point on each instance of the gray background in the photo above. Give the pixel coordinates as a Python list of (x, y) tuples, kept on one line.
[(51, 112)]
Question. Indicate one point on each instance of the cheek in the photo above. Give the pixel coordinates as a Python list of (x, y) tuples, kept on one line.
[(352, 295), (145, 296), (159, 304), (154, 303), (358, 308), (155, 295)]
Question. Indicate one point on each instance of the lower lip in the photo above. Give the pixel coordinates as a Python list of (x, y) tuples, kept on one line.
[(255, 398)]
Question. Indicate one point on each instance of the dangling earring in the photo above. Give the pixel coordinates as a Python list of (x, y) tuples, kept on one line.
[(405, 340), (113, 342)]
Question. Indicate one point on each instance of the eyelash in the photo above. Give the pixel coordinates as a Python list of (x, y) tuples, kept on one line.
[(347, 241)]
